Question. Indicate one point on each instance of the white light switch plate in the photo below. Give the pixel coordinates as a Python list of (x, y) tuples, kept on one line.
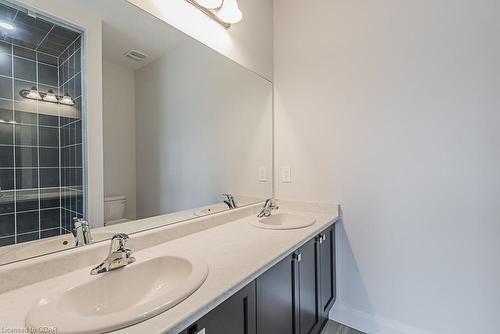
[(286, 174), (263, 174)]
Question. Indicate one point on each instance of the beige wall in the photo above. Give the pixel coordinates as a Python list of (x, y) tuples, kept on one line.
[(391, 108), (249, 42), (204, 127), (119, 135)]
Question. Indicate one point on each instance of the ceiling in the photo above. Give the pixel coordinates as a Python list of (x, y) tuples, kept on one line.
[(34, 32), (126, 27)]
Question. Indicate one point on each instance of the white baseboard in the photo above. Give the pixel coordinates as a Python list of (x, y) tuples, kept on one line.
[(370, 323)]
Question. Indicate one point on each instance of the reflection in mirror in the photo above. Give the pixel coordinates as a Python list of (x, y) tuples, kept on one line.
[(187, 132), (41, 137), (183, 126)]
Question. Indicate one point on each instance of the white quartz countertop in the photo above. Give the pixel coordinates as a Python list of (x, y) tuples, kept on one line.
[(236, 253)]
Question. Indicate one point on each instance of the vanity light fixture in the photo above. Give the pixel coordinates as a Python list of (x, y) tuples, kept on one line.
[(32, 94), (10, 122), (67, 100), (224, 12), (210, 4), (230, 12), (50, 96)]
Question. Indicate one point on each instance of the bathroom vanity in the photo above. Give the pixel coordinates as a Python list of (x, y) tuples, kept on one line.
[(185, 191), (258, 280), (294, 296)]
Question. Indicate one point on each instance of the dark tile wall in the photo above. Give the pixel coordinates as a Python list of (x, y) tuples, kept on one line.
[(41, 169), (71, 136)]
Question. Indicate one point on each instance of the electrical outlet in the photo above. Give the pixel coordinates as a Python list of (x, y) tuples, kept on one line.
[(262, 174), (286, 174)]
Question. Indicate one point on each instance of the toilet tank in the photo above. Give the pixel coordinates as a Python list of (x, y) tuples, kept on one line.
[(114, 207)]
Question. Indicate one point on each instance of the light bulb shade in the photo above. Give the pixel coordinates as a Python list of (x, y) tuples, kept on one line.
[(50, 97), (230, 12), (6, 25), (210, 4), (66, 99), (33, 94)]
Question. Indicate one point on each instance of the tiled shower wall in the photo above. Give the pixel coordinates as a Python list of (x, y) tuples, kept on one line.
[(71, 136), (41, 183)]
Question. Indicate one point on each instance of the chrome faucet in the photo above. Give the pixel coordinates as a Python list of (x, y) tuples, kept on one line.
[(82, 232), (118, 256), (268, 207), (230, 202)]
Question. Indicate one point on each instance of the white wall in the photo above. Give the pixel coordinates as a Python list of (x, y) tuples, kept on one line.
[(391, 108), (71, 13), (119, 133), (249, 42), (203, 127)]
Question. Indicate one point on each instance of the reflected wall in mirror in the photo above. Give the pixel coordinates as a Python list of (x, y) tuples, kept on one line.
[(182, 126)]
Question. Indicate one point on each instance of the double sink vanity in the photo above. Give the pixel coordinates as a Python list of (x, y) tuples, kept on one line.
[(241, 271), (164, 231)]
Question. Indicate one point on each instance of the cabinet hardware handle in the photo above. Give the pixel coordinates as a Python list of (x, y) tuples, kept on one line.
[(298, 257), (202, 331)]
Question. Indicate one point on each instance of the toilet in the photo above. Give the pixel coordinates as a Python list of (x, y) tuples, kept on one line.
[(114, 209)]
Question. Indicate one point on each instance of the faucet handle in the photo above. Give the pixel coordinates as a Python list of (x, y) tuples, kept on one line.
[(228, 196), (81, 232), (268, 206), (118, 256), (230, 200), (80, 222), (118, 242), (271, 204)]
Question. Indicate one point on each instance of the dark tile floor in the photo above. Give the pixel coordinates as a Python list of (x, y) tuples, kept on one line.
[(335, 328)]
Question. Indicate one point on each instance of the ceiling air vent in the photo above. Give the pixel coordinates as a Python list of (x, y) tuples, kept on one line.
[(136, 55)]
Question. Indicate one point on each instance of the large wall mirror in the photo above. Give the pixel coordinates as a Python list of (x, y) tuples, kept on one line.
[(187, 132)]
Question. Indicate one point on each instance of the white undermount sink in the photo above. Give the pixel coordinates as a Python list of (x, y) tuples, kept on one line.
[(284, 221), (120, 298)]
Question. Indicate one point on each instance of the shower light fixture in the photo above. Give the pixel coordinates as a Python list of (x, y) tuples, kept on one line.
[(224, 12)]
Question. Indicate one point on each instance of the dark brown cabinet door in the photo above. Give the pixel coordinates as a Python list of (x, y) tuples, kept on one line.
[(309, 285), (327, 270), (235, 316), (293, 297), (276, 298)]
